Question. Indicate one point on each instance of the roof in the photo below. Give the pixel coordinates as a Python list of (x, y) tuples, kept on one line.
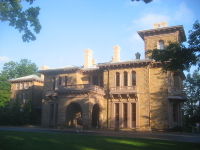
[(135, 63), (131, 63), (180, 28), (27, 78), (65, 69)]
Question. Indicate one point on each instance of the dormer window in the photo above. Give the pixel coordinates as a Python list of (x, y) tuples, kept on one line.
[(160, 44)]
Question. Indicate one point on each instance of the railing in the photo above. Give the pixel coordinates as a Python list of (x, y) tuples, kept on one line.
[(81, 87), (123, 89), (176, 91)]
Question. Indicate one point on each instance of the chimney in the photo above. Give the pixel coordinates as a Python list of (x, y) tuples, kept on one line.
[(160, 25), (88, 58), (43, 68), (116, 56), (137, 55)]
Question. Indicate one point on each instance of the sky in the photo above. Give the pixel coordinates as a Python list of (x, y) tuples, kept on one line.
[(71, 26)]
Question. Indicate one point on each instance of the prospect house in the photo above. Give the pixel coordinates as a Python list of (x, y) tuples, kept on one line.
[(134, 94)]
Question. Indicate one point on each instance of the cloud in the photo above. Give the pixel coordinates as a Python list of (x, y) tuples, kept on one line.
[(183, 14), (4, 59)]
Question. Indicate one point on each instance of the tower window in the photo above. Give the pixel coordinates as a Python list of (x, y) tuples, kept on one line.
[(125, 78), (160, 44)]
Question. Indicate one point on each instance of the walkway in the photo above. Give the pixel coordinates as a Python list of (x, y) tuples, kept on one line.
[(183, 137)]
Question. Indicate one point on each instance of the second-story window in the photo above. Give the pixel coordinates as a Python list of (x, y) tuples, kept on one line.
[(117, 79), (65, 80), (125, 78), (160, 44), (133, 78), (54, 82), (60, 81), (18, 86), (176, 81)]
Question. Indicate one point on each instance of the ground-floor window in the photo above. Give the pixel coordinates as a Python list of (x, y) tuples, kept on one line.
[(175, 112), (133, 107), (128, 109), (117, 115), (125, 115)]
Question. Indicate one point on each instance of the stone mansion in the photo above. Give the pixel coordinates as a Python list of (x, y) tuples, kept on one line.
[(134, 94)]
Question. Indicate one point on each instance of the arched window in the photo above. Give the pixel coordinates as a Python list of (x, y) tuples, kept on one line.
[(117, 79), (133, 78), (160, 44), (125, 78)]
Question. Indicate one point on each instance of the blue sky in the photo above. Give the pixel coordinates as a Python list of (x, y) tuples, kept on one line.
[(70, 26)]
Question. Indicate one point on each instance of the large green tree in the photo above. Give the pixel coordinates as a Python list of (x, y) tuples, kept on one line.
[(24, 19), (179, 57), (14, 70), (192, 105), (18, 69)]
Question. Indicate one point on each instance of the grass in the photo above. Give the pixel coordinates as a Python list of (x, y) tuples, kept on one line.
[(11, 140)]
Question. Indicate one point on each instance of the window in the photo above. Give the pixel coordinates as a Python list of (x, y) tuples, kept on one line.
[(66, 80), (95, 80), (160, 44), (133, 115), (54, 82), (117, 79), (176, 81), (175, 112), (117, 115), (18, 86), (51, 111), (60, 81), (125, 78), (125, 115), (133, 78)]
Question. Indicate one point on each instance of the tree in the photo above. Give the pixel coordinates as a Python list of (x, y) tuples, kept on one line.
[(192, 105), (14, 69), (4, 91), (179, 57), (146, 1), (24, 20)]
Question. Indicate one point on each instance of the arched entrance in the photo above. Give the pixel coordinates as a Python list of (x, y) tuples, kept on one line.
[(74, 115), (95, 116)]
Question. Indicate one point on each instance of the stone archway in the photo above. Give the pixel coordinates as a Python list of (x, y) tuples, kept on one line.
[(95, 116), (73, 115)]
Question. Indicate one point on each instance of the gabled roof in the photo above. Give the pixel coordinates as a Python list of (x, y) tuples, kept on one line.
[(27, 78), (180, 28)]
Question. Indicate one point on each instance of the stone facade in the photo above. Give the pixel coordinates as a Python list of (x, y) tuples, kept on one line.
[(133, 94), (28, 89)]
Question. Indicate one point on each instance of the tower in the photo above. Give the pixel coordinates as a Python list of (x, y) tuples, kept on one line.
[(161, 36)]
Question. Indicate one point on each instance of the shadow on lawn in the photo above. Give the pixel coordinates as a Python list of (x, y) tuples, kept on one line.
[(54, 141)]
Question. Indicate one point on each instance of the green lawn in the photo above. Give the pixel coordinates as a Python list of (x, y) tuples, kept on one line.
[(10, 140)]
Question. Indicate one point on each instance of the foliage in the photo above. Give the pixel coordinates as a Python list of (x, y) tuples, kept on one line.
[(179, 57), (18, 113), (146, 1), (10, 111), (4, 91), (14, 69), (10, 140), (175, 57), (24, 20), (192, 105)]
